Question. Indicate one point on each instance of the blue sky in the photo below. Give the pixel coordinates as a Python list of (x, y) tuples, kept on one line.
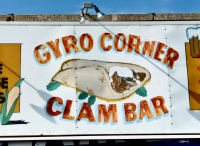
[(106, 6)]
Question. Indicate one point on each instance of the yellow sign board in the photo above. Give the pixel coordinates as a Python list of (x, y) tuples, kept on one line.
[(10, 60)]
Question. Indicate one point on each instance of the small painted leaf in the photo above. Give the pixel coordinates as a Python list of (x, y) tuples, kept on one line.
[(83, 95), (4, 108), (10, 102), (142, 92), (91, 100), (53, 86), (19, 82), (7, 118)]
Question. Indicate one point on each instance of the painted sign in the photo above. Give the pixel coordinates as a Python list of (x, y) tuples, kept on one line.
[(131, 79)]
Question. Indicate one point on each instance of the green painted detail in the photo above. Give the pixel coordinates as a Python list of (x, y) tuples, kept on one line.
[(53, 86), (91, 100), (5, 119), (142, 92), (83, 95), (19, 82), (4, 108)]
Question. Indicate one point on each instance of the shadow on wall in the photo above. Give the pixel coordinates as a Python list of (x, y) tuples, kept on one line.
[(196, 97), (42, 110), (195, 114)]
